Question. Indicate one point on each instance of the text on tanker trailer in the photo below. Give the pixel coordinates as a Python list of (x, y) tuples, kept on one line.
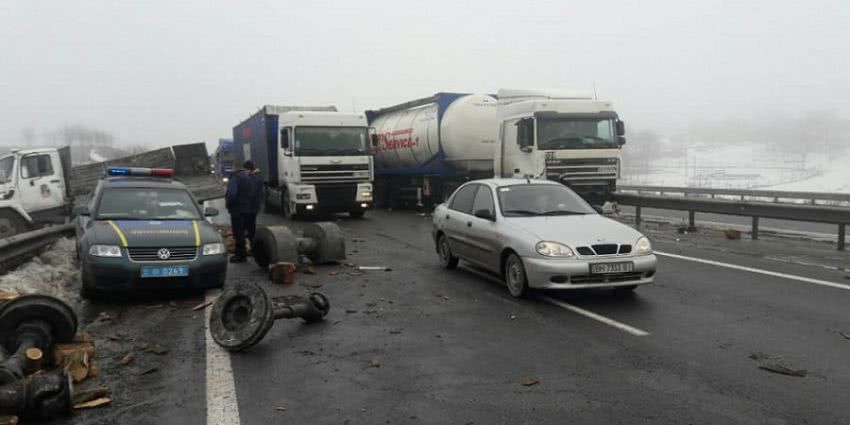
[(427, 147), (312, 159), (572, 139)]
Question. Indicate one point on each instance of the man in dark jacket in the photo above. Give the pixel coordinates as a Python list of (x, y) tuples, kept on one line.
[(257, 196), (239, 201)]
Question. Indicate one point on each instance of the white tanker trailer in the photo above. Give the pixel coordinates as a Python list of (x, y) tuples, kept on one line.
[(427, 147)]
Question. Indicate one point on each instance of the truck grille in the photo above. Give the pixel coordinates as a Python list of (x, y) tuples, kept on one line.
[(183, 253), (582, 169), (336, 195), (335, 172)]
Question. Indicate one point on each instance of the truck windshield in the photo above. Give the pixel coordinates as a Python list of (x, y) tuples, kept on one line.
[(146, 204), (528, 200), (325, 141), (591, 133), (6, 165)]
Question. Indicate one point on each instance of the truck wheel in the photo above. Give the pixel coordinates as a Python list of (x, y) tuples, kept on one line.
[(11, 223), (357, 213), (268, 208)]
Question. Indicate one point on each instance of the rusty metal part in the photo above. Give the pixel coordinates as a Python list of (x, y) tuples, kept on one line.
[(321, 242), (32, 321), (37, 397), (243, 314)]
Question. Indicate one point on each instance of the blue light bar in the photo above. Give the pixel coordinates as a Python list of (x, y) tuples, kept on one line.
[(157, 172), (118, 171)]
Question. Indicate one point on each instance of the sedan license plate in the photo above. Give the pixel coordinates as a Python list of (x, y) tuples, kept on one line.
[(608, 268), (165, 271)]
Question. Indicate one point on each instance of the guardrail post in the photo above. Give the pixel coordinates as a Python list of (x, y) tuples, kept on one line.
[(691, 219), (841, 236), (755, 228), (637, 216)]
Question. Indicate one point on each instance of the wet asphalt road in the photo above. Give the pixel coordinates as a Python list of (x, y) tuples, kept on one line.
[(422, 345)]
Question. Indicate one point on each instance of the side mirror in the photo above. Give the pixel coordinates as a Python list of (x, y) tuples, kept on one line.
[(284, 138), (210, 212), (621, 128), (485, 214), (621, 140), (525, 134), (80, 211)]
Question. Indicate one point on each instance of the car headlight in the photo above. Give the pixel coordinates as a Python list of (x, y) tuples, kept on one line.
[(225, 179), (643, 246), (553, 249), (105, 250), (213, 248)]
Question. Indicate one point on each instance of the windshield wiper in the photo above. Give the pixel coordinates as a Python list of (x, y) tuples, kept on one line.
[(523, 212), (562, 212)]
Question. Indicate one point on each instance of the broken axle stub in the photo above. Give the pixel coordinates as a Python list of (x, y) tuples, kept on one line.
[(32, 321), (243, 314), (38, 397)]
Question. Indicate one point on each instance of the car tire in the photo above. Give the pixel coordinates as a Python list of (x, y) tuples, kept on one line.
[(444, 251), (515, 277)]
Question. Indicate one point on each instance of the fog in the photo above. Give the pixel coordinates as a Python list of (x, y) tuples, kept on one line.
[(162, 72)]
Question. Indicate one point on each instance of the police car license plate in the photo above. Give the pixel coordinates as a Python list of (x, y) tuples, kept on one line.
[(606, 268), (165, 271)]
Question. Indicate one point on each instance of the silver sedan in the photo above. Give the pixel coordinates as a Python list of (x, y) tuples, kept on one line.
[(539, 234)]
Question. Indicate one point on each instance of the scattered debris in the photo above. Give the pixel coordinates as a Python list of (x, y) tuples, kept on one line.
[(375, 363), (309, 270), (75, 358), (758, 356), (783, 370), (282, 273), (444, 297), (332, 273), (6, 296), (129, 358), (350, 311), (103, 401), (148, 371), (530, 381), (845, 335), (374, 268), (202, 305), (732, 234), (86, 396), (280, 409), (8, 420)]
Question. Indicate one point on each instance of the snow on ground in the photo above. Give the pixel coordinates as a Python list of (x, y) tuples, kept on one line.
[(750, 166), (53, 272)]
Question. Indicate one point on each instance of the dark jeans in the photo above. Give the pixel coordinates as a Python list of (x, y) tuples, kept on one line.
[(244, 226)]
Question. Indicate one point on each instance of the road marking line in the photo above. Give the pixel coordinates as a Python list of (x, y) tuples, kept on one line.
[(759, 271), (599, 318), (222, 406)]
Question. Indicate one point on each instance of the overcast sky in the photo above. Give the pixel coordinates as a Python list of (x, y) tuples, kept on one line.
[(166, 72)]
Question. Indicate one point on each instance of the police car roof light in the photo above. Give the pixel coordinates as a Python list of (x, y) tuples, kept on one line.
[(156, 172)]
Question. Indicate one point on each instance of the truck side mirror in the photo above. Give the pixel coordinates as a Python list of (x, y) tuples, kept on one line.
[(621, 128), (621, 140), (80, 211), (284, 138), (525, 133)]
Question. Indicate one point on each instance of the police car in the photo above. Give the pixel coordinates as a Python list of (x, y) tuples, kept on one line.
[(143, 230)]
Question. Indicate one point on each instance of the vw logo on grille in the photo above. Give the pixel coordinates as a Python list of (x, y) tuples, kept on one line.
[(163, 254)]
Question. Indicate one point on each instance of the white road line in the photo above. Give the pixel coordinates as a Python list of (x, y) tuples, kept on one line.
[(222, 406), (599, 318), (759, 271)]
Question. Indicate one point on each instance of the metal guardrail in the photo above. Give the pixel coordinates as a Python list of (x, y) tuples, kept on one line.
[(811, 213), (17, 249), (776, 195)]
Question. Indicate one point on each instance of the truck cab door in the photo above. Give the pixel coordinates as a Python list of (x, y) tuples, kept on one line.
[(40, 182)]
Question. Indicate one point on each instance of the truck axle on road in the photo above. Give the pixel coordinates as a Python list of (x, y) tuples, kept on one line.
[(243, 314), (320, 242)]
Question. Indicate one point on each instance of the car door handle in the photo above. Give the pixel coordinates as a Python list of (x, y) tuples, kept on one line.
[(468, 224), (448, 217)]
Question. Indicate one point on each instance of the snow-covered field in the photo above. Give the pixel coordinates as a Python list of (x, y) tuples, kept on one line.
[(745, 167), (52, 273)]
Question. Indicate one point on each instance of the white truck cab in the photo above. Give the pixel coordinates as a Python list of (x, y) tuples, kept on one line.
[(34, 188), (570, 138)]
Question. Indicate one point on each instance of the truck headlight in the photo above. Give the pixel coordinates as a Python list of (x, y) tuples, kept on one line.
[(553, 249), (366, 194), (213, 248), (643, 246), (105, 250)]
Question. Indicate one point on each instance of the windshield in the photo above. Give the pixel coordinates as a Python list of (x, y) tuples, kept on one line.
[(541, 199), (6, 165), (318, 141), (586, 133), (147, 204)]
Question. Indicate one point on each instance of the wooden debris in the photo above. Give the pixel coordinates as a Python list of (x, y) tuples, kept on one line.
[(86, 396), (75, 359), (129, 358), (7, 296), (202, 305), (529, 381), (103, 401), (282, 273)]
